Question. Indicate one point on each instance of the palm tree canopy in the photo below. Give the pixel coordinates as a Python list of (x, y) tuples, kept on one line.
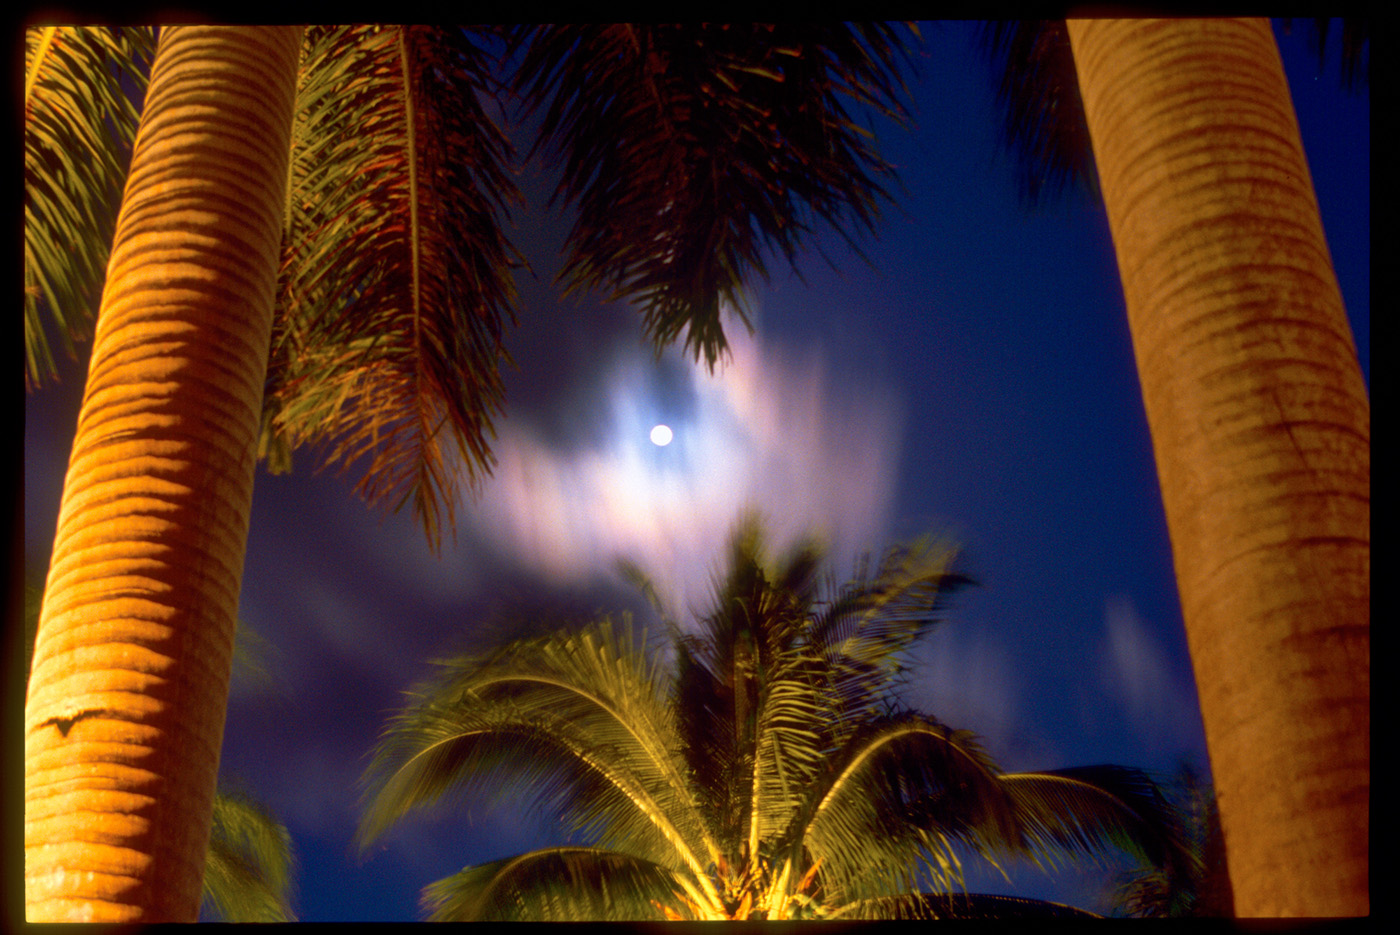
[(758, 764), (687, 152)]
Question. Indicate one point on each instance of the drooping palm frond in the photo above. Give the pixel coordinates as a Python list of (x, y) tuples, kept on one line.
[(1089, 810), (1355, 51), (1197, 887), (893, 801), (1043, 128), (588, 709), (559, 884), (79, 123), (396, 286), (248, 868), (866, 629), (689, 151)]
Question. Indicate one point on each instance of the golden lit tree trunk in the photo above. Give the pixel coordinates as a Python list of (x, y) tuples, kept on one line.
[(125, 709), (1260, 421)]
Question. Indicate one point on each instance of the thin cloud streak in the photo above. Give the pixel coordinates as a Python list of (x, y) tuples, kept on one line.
[(1135, 669)]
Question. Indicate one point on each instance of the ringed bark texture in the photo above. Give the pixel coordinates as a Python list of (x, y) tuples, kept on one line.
[(125, 708), (1261, 423)]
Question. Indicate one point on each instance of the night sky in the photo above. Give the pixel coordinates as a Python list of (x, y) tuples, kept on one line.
[(974, 380)]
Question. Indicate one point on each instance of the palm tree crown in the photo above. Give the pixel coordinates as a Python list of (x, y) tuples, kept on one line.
[(766, 770)]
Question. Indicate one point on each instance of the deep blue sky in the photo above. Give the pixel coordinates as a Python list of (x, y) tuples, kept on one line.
[(975, 380)]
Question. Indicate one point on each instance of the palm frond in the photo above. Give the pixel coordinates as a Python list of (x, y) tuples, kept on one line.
[(892, 803), (1355, 53), (396, 286), (1093, 810), (560, 884), (247, 873), (982, 906), (747, 706), (587, 712), (866, 629), (80, 114), (691, 151), (1199, 886), (1043, 128)]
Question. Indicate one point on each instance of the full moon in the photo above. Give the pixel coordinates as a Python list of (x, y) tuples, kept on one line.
[(661, 435)]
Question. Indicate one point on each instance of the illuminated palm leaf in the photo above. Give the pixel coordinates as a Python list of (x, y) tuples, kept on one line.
[(588, 710), (247, 872), (689, 151), (558, 884), (770, 773), (77, 145), (396, 286)]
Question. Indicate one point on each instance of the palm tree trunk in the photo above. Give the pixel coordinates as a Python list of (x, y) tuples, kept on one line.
[(1260, 421), (125, 708)]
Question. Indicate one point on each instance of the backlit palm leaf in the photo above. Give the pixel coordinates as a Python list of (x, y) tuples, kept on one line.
[(79, 122), (396, 283), (247, 873), (600, 739), (559, 884), (689, 151)]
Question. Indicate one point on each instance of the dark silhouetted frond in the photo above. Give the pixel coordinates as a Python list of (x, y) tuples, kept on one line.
[(1043, 129), (1197, 886), (978, 906), (1091, 810), (1355, 52), (689, 152)]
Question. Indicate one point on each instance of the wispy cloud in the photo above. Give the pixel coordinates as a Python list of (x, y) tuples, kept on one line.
[(1136, 669), (772, 429)]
